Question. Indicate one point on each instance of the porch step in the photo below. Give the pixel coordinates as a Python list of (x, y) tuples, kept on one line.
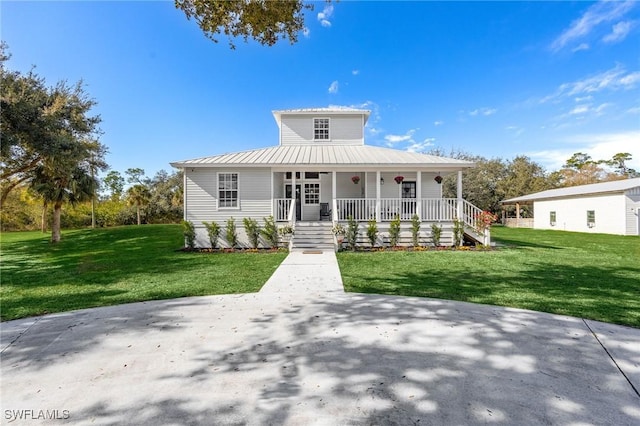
[(313, 235)]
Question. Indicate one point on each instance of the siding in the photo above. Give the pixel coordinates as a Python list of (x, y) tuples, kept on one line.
[(343, 130), (632, 211), (201, 194), (390, 189), (571, 214)]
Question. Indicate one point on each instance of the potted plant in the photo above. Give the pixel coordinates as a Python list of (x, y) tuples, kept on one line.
[(398, 179), (286, 231), (339, 231), (355, 179), (438, 179)]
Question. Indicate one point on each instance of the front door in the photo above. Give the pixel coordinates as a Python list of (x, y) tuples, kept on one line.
[(408, 202), (289, 195)]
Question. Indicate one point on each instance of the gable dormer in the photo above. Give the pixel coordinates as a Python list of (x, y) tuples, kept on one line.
[(327, 126)]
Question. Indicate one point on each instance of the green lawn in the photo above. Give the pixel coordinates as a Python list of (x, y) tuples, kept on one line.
[(593, 276), (117, 265)]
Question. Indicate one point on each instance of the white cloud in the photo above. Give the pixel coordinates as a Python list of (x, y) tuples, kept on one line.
[(580, 109), (618, 32), (601, 12), (581, 46), (323, 17), (616, 78), (600, 146), (483, 111), (421, 146), (634, 110), (333, 88), (394, 139), (355, 72), (514, 130), (306, 32), (438, 123)]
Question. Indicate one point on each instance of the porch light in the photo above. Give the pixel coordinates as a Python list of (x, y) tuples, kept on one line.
[(398, 179), (438, 179), (381, 181)]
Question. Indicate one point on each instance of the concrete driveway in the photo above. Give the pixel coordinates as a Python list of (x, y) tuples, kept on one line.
[(302, 352)]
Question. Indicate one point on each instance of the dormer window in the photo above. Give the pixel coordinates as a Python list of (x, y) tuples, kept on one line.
[(321, 129)]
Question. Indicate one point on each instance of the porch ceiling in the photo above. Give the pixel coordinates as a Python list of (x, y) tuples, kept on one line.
[(328, 157)]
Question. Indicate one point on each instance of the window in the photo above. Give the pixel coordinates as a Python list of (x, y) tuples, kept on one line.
[(227, 189), (552, 218), (408, 189), (311, 175), (321, 129), (288, 175), (591, 218), (312, 193)]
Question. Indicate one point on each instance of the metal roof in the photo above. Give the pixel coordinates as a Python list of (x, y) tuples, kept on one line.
[(574, 191), (327, 156), (277, 114)]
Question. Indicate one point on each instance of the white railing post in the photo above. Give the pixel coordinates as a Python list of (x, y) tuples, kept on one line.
[(378, 191)]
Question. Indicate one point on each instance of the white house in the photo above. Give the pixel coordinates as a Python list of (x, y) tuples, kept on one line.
[(607, 207), (320, 173)]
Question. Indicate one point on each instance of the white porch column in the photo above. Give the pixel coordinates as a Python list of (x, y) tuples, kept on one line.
[(294, 195), (419, 195), (334, 205), (459, 184), (378, 196)]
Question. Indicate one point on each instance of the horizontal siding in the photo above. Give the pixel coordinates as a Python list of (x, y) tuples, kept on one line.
[(406, 237), (571, 214), (202, 200), (343, 130), (632, 211)]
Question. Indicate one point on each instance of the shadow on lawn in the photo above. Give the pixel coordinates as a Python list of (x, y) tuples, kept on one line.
[(367, 359)]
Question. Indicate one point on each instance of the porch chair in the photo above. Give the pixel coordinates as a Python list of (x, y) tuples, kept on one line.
[(325, 212)]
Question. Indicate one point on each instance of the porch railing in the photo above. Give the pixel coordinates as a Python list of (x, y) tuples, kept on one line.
[(281, 209), (360, 209)]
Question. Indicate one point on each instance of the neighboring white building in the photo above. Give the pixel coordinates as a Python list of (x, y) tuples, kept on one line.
[(607, 207), (322, 172)]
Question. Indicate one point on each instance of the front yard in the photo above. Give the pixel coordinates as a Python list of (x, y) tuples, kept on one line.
[(103, 267), (591, 276)]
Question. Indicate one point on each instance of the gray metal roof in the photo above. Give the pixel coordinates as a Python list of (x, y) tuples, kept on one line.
[(573, 191), (327, 156), (277, 114)]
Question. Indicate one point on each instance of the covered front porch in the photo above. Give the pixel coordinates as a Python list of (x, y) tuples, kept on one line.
[(380, 195)]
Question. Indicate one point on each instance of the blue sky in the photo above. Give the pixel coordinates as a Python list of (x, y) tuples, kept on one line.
[(498, 79)]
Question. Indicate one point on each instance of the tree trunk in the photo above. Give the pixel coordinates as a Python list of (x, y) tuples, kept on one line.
[(55, 227), (138, 211), (43, 219)]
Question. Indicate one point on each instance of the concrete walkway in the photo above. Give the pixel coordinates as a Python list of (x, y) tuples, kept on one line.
[(317, 357)]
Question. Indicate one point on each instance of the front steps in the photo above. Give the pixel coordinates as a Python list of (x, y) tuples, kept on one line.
[(313, 236)]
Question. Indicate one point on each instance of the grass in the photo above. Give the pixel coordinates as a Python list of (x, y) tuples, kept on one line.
[(593, 276), (103, 267)]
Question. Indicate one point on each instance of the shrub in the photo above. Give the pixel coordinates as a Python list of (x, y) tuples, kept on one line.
[(436, 233), (352, 233), (213, 230), (372, 232), (394, 231), (270, 231), (458, 232), (189, 232), (252, 229), (415, 230), (231, 235)]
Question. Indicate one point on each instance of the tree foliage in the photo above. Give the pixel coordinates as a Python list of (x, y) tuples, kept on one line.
[(265, 21), (41, 125)]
